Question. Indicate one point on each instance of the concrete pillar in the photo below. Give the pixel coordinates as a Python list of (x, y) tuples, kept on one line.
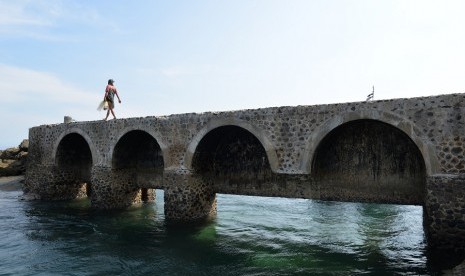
[(147, 195), (187, 197), (47, 182), (444, 212), (113, 189)]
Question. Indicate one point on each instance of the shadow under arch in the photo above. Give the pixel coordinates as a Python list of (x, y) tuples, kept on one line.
[(84, 135), (269, 148), (138, 158), (73, 161), (229, 157), (427, 150), (156, 136), (370, 161)]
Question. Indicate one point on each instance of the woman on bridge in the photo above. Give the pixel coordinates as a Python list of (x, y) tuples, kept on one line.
[(110, 92)]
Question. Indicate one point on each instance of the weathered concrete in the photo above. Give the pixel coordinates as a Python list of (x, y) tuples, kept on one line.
[(405, 151)]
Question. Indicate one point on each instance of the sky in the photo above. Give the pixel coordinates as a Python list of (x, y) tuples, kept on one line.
[(170, 57)]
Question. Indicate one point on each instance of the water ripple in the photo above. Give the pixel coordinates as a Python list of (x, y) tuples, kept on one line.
[(251, 236)]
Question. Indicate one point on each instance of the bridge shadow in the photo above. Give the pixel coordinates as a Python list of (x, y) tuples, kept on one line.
[(139, 155), (359, 161), (232, 160), (369, 161), (73, 164)]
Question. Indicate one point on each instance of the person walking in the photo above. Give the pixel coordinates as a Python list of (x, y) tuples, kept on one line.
[(110, 92)]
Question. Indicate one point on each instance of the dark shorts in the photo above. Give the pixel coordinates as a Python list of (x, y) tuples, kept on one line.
[(111, 99)]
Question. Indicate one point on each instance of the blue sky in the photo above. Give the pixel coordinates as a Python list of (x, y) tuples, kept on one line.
[(174, 56)]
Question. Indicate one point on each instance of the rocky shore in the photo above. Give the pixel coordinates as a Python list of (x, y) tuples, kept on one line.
[(13, 160)]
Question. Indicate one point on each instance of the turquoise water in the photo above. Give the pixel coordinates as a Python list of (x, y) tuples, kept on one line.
[(251, 236)]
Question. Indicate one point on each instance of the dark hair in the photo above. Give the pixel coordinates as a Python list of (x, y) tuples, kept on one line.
[(111, 81)]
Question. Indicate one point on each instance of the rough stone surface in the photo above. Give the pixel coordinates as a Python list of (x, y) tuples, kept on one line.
[(188, 197), (24, 146), (406, 151), (444, 214), (13, 160)]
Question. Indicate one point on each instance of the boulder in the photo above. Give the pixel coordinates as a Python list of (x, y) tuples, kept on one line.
[(13, 160), (10, 167), (24, 146), (9, 153)]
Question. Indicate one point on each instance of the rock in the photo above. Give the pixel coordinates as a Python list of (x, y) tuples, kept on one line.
[(29, 197), (9, 167), (24, 146), (13, 160), (21, 155), (9, 153)]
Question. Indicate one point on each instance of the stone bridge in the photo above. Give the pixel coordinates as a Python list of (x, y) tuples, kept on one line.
[(402, 151)]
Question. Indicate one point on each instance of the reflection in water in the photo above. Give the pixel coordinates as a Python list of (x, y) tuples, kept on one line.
[(251, 236)]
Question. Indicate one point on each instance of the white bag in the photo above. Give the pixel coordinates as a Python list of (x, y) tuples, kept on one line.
[(103, 105)]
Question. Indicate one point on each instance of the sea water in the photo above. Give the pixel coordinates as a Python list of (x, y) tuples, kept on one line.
[(250, 236)]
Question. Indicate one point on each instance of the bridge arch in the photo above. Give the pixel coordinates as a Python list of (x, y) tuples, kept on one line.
[(73, 158), (373, 157), (155, 135), (230, 156), (259, 134), (427, 150), (137, 164), (137, 149), (76, 132)]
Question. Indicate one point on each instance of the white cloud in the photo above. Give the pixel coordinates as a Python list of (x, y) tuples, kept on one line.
[(16, 14), (40, 19), (19, 84), (20, 16), (30, 98)]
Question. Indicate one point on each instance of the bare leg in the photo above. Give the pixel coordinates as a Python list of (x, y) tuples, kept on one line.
[(108, 113), (113, 113), (110, 109)]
